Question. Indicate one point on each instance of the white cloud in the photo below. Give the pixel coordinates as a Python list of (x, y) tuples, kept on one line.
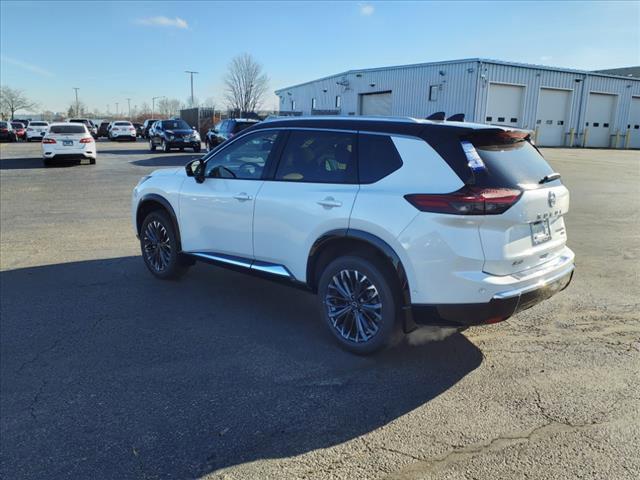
[(366, 9), (26, 66), (164, 22)]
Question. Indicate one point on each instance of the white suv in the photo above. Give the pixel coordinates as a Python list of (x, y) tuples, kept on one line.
[(392, 222)]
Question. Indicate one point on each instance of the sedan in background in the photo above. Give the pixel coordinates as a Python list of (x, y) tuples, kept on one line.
[(122, 130), (36, 130), (7, 134), (68, 141), (21, 131)]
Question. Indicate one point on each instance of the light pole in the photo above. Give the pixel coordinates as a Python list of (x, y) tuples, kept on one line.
[(153, 104), (77, 104), (191, 74), (129, 105)]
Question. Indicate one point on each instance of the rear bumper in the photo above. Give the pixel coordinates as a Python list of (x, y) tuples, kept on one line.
[(68, 154), (501, 306)]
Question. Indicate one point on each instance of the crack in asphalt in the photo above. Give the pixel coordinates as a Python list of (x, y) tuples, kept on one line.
[(37, 356), (36, 398)]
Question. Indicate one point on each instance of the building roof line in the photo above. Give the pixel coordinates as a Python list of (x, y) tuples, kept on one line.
[(464, 60)]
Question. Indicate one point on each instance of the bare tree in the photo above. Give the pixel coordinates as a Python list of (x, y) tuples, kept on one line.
[(168, 107), (12, 100), (245, 84)]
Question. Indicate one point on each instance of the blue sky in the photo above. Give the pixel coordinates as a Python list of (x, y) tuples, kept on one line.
[(114, 50)]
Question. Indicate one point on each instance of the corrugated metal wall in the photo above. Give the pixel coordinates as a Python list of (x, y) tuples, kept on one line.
[(462, 87)]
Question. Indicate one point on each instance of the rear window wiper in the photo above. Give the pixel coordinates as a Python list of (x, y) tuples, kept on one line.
[(549, 178)]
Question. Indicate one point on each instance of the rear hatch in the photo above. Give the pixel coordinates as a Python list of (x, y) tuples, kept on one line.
[(532, 230)]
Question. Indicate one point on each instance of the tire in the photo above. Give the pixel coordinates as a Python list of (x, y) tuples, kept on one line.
[(46, 162), (152, 147), (92, 161), (377, 322), (182, 149), (165, 147), (163, 261)]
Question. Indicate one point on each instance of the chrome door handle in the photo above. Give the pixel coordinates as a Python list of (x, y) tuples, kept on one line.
[(243, 197), (330, 202)]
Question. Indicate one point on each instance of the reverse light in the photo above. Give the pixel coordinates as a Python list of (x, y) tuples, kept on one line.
[(466, 201), (49, 140)]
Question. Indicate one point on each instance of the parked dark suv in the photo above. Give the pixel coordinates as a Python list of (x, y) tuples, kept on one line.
[(7, 133), (226, 130), (146, 126), (168, 134)]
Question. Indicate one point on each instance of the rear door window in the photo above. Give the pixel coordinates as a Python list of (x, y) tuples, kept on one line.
[(242, 125), (377, 157), (318, 157)]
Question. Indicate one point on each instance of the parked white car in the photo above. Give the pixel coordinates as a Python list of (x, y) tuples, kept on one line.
[(66, 141), (37, 130), (392, 222), (122, 130)]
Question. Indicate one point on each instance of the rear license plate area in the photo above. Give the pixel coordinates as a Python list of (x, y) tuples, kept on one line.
[(67, 143), (540, 232)]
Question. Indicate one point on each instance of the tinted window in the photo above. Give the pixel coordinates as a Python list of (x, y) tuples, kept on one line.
[(68, 129), (123, 124), (3, 124), (39, 124), (321, 157), (509, 162), (17, 125), (378, 157), (244, 158)]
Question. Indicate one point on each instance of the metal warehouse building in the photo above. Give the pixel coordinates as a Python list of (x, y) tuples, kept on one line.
[(563, 107)]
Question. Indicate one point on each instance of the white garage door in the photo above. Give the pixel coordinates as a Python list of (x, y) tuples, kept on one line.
[(553, 117), (634, 123), (504, 105), (600, 111), (375, 104)]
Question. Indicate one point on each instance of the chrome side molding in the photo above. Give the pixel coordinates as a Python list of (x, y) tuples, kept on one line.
[(264, 267)]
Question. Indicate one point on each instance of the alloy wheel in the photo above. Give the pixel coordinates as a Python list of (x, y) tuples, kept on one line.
[(157, 246), (354, 306)]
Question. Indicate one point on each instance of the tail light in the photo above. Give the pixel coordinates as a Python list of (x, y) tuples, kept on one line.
[(86, 140), (4, 130), (49, 140), (467, 201)]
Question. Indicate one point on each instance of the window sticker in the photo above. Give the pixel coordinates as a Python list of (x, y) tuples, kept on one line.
[(474, 161)]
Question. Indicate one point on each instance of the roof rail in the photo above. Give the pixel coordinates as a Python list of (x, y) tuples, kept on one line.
[(458, 117), (436, 116)]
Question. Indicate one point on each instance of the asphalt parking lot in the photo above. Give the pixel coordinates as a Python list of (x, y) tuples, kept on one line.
[(107, 373)]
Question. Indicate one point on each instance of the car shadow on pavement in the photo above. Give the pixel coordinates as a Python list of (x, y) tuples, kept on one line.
[(31, 163), (110, 373), (167, 160)]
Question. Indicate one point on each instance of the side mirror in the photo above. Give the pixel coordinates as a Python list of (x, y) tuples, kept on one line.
[(195, 169)]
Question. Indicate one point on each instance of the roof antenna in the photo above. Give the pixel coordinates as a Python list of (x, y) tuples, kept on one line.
[(458, 117), (436, 116)]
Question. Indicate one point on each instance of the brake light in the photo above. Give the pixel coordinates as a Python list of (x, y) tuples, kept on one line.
[(86, 140), (467, 201), (49, 140)]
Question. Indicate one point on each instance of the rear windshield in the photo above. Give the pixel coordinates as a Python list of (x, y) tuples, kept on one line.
[(17, 125), (123, 124), (79, 120), (39, 124), (3, 124), (68, 129), (175, 125), (510, 160)]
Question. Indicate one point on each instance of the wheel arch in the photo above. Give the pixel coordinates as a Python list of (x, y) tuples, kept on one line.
[(344, 241), (151, 202)]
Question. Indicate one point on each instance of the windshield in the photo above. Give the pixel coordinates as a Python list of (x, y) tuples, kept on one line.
[(68, 129), (175, 125), (509, 161)]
